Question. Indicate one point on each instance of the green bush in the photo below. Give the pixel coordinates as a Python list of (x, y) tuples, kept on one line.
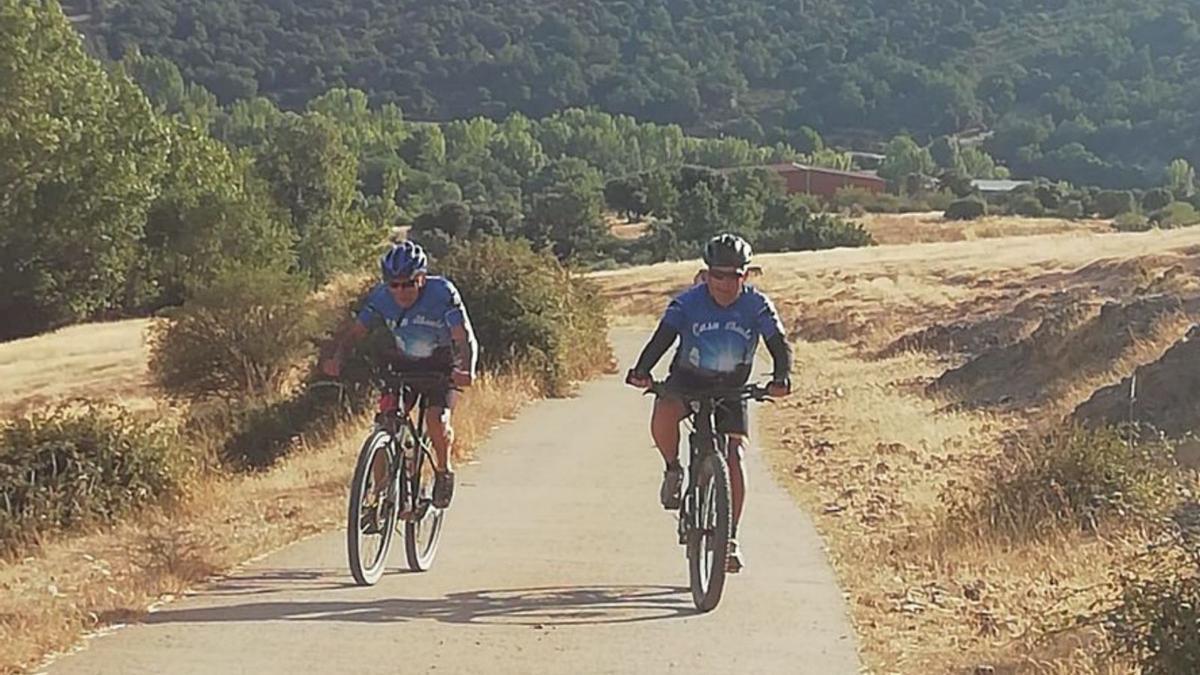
[(255, 434), (1071, 210), (1112, 203), (1157, 624), (239, 338), (1074, 477), (264, 433), (966, 209), (1132, 222), (1156, 199), (1028, 206), (814, 232), (527, 308), (81, 464), (877, 202), (1175, 214)]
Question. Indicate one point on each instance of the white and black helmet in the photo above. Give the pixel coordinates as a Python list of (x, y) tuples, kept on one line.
[(727, 250)]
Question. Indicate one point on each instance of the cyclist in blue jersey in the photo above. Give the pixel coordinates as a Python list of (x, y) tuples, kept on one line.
[(718, 323), (432, 335)]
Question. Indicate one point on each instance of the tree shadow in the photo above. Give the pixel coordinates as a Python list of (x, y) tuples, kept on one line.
[(536, 606)]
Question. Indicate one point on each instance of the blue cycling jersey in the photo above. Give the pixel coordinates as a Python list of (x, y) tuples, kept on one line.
[(720, 341), (422, 331)]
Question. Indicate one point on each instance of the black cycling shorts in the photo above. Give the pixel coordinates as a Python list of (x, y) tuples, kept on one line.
[(731, 415)]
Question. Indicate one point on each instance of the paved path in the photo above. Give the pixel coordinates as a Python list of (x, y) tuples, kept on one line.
[(555, 558)]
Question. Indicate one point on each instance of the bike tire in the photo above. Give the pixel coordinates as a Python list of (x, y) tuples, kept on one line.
[(365, 566), (709, 531), (423, 532)]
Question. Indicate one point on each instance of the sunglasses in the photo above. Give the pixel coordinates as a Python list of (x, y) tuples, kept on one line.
[(403, 283), (724, 275)]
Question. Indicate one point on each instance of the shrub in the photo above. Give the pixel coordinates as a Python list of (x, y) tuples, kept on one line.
[(239, 338), (265, 433), (813, 233), (966, 209), (1175, 214), (1112, 203), (81, 464), (256, 434), (1156, 624), (1072, 210), (526, 307), (877, 202), (1156, 199), (1131, 222), (1073, 477), (1027, 205)]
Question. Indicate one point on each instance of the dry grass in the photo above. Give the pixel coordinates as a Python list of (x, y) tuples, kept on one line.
[(925, 227), (79, 583), (96, 360), (874, 458), (871, 460)]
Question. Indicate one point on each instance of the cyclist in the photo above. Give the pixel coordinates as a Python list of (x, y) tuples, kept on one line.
[(718, 323), (432, 335)]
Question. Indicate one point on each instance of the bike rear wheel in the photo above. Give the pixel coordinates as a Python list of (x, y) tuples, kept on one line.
[(709, 531), (423, 530), (371, 516)]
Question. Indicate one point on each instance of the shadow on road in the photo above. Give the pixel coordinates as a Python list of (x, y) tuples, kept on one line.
[(542, 606)]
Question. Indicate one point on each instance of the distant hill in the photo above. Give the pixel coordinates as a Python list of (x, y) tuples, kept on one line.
[(1097, 90)]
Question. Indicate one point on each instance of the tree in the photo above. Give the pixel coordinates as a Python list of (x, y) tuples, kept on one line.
[(1112, 203), (81, 153), (313, 176), (1181, 178), (945, 153), (626, 196), (211, 215), (698, 213), (903, 157), (1156, 199)]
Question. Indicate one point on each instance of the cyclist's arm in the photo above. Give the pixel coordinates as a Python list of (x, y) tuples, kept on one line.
[(781, 355), (462, 335), (774, 334), (352, 330), (664, 336), (466, 349)]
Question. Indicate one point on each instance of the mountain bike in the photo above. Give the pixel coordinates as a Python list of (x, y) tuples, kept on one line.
[(393, 483), (705, 512)]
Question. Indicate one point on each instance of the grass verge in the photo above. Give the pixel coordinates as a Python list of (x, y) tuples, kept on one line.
[(80, 583)]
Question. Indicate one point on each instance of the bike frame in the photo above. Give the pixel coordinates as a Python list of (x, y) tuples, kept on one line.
[(391, 401)]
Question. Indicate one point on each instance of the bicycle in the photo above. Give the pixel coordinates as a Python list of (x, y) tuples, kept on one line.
[(705, 512), (398, 490)]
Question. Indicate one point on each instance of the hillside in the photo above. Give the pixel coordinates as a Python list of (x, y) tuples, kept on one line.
[(1094, 90)]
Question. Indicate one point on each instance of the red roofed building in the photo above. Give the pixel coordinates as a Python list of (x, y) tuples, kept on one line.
[(818, 180)]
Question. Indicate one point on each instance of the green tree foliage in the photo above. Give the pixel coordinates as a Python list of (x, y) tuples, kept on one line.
[(1181, 178), (1112, 203), (903, 157), (313, 176), (526, 307), (968, 208), (1109, 75), (1156, 199), (81, 152)]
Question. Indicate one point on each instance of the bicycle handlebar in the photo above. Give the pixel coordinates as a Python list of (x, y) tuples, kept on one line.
[(746, 392)]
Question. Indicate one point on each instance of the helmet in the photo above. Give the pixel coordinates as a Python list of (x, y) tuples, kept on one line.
[(403, 260), (727, 250)]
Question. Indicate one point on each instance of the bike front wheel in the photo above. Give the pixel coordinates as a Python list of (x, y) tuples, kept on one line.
[(371, 516), (423, 530), (709, 531)]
